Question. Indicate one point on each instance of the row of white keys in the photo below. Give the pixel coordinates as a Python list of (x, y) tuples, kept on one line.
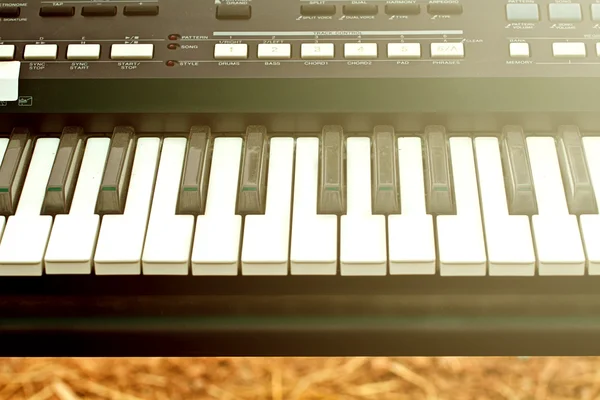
[(73, 238), (460, 237), (26, 233), (556, 233), (121, 237), (508, 237), (169, 236), (314, 236)]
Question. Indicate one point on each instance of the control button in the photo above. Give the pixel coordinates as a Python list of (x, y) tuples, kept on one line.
[(40, 52), (598, 49), (234, 11), (360, 50), (10, 12), (567, 12), (313, 10), (522, 13), (7, 52), (280, 51), (404, 50), (132, 52), (360, 9), (569, 49), (596, 12), (445, 9), (447, 50), (519, 50), (402, 9), (231, 51), (83, 52), (57, 11), (317, 51), (99, 11), (140, 10)]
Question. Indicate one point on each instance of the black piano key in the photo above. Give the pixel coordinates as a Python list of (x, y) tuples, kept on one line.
[(253, 189), (576, 177), (384, 171), (517, 172), (61, 184), (332, 183), (13, 169), (113, 189), (439, 188), (194, 182)]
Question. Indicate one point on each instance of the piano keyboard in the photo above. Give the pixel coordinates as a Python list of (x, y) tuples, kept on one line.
[(380, 203)]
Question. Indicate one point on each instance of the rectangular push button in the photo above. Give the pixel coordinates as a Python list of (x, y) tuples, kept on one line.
[(10, 12), (40, 52), (447, 50), (57, 11), (234, 11), (9, 80), (83, 52), (317, 51), (99, 11), (568, 12), (7, 52), (522, 13), (132, 52), (360, 9), (360, 50), (569, 49), (140, 10), (445, 9), (317, 10), (595, 12), (402, 9), (274, 51), (404, 50), (231, 51)]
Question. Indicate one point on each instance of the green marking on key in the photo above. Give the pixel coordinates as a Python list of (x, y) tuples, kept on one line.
[(332, 189), (55, 189), (109, 189), (3, 190), (190, 189), (250, 189)]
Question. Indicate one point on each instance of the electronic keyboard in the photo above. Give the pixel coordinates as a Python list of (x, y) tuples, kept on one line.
[(257, 178)]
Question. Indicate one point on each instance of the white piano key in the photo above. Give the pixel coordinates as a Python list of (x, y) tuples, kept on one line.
[(460, 237), (590, 223), (314, 236), (217, 236), (508, 237), (411, 240), (555, 231), (26, 233), (73, 238), (169, 236), (363, 235), (266, 243), (121, 238)]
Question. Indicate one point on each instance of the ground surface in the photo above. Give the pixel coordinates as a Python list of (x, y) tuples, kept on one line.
[(301, 378)]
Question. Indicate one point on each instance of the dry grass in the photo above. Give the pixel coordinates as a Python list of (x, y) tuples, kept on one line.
[(301, 378)]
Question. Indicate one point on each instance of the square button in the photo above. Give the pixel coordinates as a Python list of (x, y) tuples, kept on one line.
[(567, 12), (279, 51), (317, 51), (519, 50), (7, 52), (360, 50), (522, 12), (231, 51), (404, 50)]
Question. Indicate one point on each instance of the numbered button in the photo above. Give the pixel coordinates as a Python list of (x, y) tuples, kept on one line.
[(231, 51), (281, 51), (317, 51), (404, 50), (360, 50)]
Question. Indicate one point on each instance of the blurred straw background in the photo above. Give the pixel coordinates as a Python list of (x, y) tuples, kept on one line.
[(300, 378)]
